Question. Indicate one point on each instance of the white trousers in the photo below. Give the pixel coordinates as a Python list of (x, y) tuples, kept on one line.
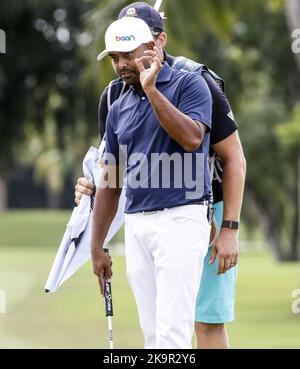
[(165, 252)]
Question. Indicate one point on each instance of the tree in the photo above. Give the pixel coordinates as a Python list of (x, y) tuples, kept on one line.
[(41, 79), (289, 136), (263, 90)]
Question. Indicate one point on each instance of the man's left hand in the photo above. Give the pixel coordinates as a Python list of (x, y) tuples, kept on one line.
[(226, 247)]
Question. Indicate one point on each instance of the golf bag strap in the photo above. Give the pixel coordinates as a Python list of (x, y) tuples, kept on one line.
[(188, 65), (215, 168), (109, 95), (109, 102)]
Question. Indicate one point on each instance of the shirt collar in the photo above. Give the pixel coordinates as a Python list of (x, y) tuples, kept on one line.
[(165, 73), (168, 58)]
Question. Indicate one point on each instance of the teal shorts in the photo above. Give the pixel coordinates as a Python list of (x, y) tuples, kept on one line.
[(216, 296)]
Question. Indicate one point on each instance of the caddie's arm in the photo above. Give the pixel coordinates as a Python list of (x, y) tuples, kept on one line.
[(234, 171), (187, 132), (105, 208)]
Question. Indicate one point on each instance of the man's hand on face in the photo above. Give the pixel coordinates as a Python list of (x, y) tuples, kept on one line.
[(83, 186), (226, 247), (149, 67)]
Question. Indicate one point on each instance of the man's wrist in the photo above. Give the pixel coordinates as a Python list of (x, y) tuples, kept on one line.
[(150, 90), (96, 249)]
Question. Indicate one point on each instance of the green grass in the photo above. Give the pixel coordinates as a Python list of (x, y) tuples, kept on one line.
[(74, 317)]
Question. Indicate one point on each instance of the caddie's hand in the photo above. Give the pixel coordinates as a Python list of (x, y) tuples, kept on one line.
[(83, 186), (226, 247), (149, 67), (102, 267)]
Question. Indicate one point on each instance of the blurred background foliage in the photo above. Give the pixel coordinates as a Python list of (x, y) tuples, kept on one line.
[(50, 84)]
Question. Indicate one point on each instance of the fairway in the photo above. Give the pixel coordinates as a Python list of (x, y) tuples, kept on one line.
[(74, 316)]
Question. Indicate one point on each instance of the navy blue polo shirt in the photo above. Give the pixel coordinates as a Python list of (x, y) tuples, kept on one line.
[(159, 172)]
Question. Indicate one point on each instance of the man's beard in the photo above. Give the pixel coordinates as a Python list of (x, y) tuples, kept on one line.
[(128, 75)]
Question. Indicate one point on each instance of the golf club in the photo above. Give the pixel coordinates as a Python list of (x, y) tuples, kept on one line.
[(108, 306)]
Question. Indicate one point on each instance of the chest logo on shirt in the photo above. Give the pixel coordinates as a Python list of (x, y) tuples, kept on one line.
[(125, 38)]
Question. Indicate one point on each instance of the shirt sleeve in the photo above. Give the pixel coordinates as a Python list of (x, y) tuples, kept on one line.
[(102, 114), (223, 122), (111, 155), (195, 99)]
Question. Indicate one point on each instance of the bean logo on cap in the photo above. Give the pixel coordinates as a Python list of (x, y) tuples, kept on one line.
[(125, 38)]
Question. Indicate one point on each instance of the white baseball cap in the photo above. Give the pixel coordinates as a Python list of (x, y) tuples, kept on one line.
[(126, 34)]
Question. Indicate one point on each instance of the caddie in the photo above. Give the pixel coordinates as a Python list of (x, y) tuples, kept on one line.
[(215, 302)]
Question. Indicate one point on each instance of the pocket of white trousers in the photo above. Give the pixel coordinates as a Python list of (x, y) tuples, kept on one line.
[(188, 214)]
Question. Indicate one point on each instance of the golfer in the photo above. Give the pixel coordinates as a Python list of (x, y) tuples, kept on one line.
[(165, 113)]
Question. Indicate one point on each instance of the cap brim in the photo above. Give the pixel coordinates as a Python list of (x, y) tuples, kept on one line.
[(121, 49), (102, 55)]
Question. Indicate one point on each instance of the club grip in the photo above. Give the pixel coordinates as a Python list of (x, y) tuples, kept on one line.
[(108, 295)]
